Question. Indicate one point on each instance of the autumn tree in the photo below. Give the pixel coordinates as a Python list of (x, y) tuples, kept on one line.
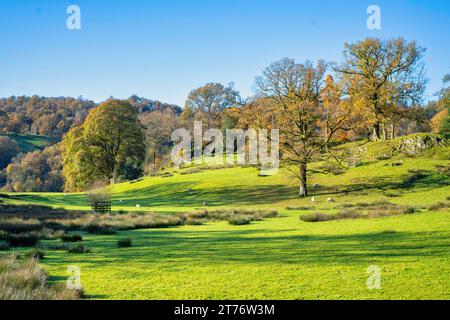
[(257, 114), (38, 171), (442, 119), (380, 76), (211, 100), (108, 146), (8, 149), (39, 115), (158, 127), (3, 119), (295, 91)]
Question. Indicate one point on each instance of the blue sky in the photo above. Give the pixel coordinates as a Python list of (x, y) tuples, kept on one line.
[(164, 49)]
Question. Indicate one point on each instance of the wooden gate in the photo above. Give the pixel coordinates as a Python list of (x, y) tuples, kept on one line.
[(101, 206)]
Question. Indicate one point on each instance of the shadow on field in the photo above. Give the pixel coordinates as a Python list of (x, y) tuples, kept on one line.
[(175, 246), (168, 194), (407, 182)]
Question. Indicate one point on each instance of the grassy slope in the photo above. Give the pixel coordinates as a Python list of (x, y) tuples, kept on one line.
[(242, 187), (29, 143), (281, 258)]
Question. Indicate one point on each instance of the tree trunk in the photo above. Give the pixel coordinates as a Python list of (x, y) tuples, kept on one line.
[(114, 177), (303, 192), (377, 131)]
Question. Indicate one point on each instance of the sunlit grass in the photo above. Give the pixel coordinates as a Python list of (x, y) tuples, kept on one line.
[(279, 258)]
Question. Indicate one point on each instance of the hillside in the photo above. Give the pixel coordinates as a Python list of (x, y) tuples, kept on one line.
[(395, 179), (278, 258)]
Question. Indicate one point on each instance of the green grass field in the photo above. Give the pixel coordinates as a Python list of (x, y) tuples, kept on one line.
[(279, 258), (29, 143)]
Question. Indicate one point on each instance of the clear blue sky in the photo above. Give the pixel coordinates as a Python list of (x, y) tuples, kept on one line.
[(163, 49)]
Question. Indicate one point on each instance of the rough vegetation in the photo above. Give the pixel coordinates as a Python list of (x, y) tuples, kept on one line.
[(25, 280), (25, 226)]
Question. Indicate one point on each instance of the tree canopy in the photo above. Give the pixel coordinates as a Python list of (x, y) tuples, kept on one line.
[(381, 76), (108, 146)]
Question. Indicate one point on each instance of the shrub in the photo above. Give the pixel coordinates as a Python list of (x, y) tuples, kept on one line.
[(36, 253), (198, 215), (346, 205), (49, 234), (97, 229), (124, 243), (439, 206), (239, 220), (392, 195), (4, 246), (316, 217), (348, 214), (194, 222), (56, 246), (23, 240), (381, 203), (18, 225), (268, 214), (409, 210), (71, 237), (79, 248), (362, 204), (298, 208)]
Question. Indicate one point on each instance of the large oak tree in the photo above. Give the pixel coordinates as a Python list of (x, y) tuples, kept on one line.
[(306, 124), (109, 145), (382, 78), (209, 101)]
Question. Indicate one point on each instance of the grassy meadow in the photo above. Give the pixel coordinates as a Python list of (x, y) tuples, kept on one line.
[(30, 143), (275, 258)]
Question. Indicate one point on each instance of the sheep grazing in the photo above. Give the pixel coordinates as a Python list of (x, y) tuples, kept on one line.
[(138, 206), (313, 199), (331, 200), (205, 203)]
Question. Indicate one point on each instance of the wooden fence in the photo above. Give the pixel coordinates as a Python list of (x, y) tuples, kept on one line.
[(101, 206)]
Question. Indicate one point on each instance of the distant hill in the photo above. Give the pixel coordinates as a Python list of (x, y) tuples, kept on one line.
[(55, 116)]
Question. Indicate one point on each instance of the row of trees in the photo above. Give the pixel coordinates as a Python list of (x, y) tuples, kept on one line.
[(54, 117), (51, 117), (375, 93), (377, 89)]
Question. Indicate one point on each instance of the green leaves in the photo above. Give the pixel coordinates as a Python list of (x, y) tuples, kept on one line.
[(108, 146)]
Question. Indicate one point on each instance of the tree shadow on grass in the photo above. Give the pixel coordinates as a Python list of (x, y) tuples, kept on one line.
[(175, 246), (170, 194), (402, 184)]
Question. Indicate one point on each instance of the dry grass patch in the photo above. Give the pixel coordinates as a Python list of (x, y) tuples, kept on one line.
[(25, 280)]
